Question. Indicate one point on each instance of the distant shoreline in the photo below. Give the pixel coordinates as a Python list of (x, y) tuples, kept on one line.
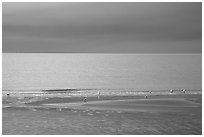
[(94, 92), (103, 53)]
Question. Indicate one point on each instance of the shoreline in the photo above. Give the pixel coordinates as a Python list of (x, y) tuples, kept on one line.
[(126, 103)]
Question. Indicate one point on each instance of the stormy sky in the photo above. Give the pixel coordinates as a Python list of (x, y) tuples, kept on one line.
[(102, 27)]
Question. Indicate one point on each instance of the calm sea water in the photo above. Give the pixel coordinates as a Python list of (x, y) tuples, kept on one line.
[(139, 71)]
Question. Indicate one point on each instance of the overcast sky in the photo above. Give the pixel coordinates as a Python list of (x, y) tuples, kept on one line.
[(102, 27)]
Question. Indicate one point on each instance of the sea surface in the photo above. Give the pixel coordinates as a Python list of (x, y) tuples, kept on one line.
[(40, 71)]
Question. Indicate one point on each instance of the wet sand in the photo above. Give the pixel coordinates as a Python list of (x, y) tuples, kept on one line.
[(158, 114), (146, 105)]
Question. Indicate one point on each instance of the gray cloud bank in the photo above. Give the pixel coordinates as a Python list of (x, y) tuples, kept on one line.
[(102, 27)]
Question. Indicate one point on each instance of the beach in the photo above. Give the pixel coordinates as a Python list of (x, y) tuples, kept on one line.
[(115, 68), (162, 114)]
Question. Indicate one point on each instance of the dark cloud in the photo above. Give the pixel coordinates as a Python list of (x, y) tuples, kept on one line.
[(102, 27)]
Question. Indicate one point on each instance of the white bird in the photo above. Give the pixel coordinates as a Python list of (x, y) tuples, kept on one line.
[(184, 90)]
